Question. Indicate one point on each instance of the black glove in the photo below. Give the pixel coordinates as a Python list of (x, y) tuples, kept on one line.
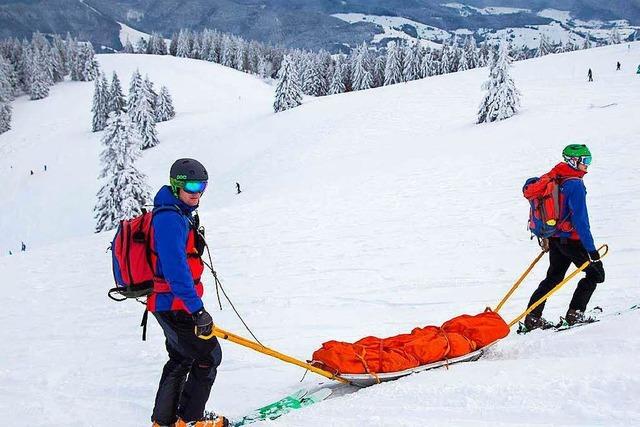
[(596, 266), (203, 321)]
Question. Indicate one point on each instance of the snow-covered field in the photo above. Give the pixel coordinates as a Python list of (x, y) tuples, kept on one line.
[(392, 28), (561, 29), (365, 213)]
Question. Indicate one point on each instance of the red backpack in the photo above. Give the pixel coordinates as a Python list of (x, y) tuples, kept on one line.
[(546, 200), (131, 257)]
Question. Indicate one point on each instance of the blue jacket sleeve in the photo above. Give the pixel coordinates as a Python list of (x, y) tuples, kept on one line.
[(170, 232), (577, 202)]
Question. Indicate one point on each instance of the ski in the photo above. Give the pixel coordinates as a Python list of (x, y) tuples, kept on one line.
[(592, 316), (297, 400)]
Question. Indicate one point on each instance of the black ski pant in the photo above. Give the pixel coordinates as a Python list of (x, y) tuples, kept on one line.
[(187, 377), (563, 252)]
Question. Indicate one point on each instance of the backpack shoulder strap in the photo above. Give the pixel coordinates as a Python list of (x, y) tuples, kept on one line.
[(166, 208)]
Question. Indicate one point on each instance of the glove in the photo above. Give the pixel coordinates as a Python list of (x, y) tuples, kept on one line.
[(596, 266), (203, 321)]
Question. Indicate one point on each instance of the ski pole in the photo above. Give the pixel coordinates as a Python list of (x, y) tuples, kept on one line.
[(558, 286), (221, 333), (519, 281)]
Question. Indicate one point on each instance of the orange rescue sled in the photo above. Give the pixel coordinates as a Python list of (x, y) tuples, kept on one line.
[(455, 339)]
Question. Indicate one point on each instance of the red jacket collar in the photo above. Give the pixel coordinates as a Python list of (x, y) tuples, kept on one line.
[(563, 170)]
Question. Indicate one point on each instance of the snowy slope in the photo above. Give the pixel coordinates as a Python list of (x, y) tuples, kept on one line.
[(364, 213), (210, 100)]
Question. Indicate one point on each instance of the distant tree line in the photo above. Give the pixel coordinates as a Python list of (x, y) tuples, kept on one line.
[(31, 68), (320, 74)]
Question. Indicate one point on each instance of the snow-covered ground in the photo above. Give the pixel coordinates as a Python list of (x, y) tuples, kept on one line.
[(365, 213), (392, 28), (561, 29), (465, 10), (131, 34)]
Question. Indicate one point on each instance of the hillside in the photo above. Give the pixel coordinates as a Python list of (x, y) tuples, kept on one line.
[(312, 24), (365, 213)]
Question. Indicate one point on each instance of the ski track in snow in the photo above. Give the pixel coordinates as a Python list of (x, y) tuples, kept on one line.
[(366, 213)]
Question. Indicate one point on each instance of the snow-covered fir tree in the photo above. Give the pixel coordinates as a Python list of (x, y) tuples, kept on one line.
[(545, 47), (288, 92), (5, 117), (117, 101), (425, 65), (128, 46), (587, 41), (37, 77), (152, 96), (265, 67), (183, 50), (60, 48), (312, 84), (361, 75), (6, 95), (484, 54), (141, 45), (615, 37), (228, 56), (393, 68), (125, 191), (164, 106), (86, 66), (412, 61), (502, 99), (378, 64), (337, 80), (100, 107), (140, 109), (470, 54), (156, 45)]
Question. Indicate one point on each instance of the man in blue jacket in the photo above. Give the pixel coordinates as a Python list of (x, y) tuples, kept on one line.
[(572, 242), (176, 302)]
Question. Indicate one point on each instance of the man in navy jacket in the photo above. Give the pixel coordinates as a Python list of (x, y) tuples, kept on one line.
[(176, 301), (572, 242)]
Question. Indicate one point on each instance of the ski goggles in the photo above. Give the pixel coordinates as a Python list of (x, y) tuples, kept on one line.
[(193, 187), (585, 160)]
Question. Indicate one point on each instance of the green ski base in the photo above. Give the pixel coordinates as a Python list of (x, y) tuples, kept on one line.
[(297, 400)]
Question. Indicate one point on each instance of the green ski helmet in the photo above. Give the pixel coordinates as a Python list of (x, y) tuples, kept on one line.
[(576, 154), (188, 174)]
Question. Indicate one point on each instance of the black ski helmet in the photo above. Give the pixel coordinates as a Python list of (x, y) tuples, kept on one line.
[(184, 170)]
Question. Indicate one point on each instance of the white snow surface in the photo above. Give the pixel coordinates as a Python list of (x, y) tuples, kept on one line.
[(558, 15), (465, 10), (365, 213), (391, 26), (131, 34)]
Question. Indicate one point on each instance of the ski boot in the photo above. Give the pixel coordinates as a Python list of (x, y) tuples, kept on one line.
[(574, 316), (209, 421), (533, 322)]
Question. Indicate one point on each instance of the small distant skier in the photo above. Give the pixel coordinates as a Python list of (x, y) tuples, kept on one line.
[(24, 247), (31, 172), (575, 245), (238, 188), (590, 75), (618, 65), (176, 302), (45, 168), (638, 72)]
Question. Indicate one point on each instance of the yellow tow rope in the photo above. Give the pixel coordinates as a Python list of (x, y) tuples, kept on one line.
[(519, 281), (558, 286), (222, 334)]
